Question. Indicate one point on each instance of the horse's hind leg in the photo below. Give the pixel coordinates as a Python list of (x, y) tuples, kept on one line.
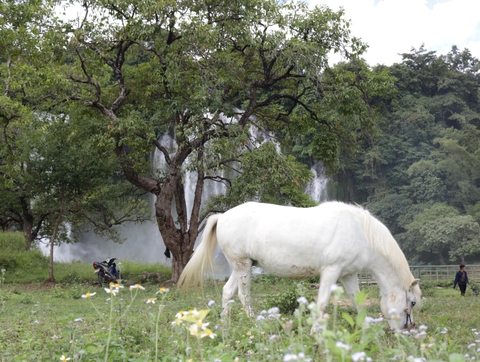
[(350, 283), (244, 274), (229, 290), (240, 279)]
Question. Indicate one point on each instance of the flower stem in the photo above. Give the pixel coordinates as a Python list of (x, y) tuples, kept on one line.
[(109, 329)]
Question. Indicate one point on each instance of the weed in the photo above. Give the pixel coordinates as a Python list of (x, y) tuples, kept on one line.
[(285, 301)]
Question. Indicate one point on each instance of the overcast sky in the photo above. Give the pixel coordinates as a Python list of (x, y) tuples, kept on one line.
[(391, 27)]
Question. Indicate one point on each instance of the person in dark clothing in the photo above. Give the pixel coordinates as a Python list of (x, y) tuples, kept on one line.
[(461, 279)]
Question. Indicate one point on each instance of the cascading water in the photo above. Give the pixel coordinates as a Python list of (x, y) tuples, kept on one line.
[(317, 187), (143, 242)]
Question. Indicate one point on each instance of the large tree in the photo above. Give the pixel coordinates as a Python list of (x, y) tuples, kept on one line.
[(51, 169), (24, 38), (223, 78)]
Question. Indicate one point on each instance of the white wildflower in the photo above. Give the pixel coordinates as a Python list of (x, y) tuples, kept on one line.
[(137, 286), (290, 357), (273, 310), (343, 345), (302, 300), (359, 356)]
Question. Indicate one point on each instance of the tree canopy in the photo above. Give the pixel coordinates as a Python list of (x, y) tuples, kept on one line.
[(51, 168), (223, 79), (421, 176)]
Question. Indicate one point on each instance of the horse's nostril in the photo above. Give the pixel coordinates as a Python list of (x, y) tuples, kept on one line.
[(413, 304)]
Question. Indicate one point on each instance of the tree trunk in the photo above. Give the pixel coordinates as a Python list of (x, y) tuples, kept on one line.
[(51, 277), (28, 234), (180, 242), (179, 235), (179, 264), (180, 245), (440, 256)]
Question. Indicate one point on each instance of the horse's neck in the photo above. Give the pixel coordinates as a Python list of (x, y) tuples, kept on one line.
[(387, 278)]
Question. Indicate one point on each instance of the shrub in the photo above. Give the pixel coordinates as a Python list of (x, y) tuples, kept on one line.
[(14, 256), (285, 301)]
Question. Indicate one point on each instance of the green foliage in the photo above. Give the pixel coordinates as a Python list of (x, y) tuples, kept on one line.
[(51, 166), (31, 266), (14, 256), (267, 176), (86, 101), (286, 300), (427, 155), (269, 279), (137, 330)]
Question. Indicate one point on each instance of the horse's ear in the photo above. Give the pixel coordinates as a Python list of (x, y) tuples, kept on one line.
[(415, 282)]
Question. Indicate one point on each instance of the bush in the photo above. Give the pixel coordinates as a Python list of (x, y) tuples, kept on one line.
[(475, 288), (12, 241), (285, 301), (14, 256)]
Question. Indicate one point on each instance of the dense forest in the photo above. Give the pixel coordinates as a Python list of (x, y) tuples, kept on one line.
[(421, 176), (245, 97)]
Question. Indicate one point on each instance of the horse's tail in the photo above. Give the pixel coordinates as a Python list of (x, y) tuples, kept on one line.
[(202, 259)]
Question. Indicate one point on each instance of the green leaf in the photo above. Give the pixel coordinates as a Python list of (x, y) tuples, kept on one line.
[(456, 357), (360, 298), (361, 317), (348, 318)]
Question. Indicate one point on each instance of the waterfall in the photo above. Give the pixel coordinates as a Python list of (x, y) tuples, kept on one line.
[(317, 187), (143, 242)]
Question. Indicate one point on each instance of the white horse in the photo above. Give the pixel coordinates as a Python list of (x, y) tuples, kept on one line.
[(333, 240)]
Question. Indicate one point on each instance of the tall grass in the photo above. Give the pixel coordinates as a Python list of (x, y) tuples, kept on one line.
[(82, 321), (21, 265), (26, 267), (89, 323)]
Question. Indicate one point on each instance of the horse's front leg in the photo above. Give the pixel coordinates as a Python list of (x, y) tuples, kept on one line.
[(328, 277), (350, 283)]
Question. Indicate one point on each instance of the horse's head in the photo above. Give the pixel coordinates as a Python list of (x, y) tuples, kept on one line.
[(400, 304)]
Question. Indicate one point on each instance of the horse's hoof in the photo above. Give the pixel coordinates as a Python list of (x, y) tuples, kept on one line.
[(410, 326)]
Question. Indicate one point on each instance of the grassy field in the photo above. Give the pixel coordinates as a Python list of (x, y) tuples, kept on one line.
[(77, 320), (45, 322)]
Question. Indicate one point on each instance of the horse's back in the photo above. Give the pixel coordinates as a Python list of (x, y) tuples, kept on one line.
[(289, 241)]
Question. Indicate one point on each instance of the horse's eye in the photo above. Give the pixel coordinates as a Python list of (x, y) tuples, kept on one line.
[(413, 304)]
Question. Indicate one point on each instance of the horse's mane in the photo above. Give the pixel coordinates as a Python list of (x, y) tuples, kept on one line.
[(383, 242)]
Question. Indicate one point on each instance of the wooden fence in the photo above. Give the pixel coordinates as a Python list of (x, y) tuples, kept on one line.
[(432, 272)]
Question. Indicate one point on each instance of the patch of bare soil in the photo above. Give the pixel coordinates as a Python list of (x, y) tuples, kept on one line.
[(34, 287)]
